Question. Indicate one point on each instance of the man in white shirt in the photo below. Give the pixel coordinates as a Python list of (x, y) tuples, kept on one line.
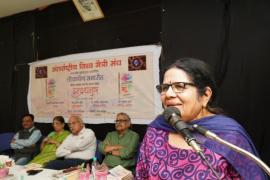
[(77, 148)]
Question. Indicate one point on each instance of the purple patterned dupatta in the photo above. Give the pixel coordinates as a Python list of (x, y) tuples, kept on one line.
[(229, 130)]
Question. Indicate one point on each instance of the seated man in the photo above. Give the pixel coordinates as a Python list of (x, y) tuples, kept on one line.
[(119, 147), (79, 147), (24, 141)]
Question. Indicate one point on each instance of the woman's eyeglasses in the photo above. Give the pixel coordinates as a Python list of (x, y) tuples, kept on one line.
[(177, 87)]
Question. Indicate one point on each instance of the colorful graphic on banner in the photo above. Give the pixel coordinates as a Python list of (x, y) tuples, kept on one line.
[(136, 63), (51, 86), (97, 85)]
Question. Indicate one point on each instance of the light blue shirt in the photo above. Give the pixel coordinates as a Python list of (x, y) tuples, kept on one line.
[(21, 143)]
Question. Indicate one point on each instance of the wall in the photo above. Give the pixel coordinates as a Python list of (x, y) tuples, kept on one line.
[(59, 30), (232, 36)]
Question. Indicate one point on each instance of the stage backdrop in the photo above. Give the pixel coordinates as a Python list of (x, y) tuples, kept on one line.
[(97, 85)]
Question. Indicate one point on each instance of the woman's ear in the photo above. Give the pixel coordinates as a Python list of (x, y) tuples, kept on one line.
[(206, 96)]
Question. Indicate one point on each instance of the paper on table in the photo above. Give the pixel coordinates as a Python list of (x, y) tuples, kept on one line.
[(121, 173)]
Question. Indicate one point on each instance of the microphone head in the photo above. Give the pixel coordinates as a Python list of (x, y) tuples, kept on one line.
[(168, 112)]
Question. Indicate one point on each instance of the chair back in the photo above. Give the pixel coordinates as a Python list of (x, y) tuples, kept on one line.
[(137, 153), (5, 140), (37, 147), (98, 154)]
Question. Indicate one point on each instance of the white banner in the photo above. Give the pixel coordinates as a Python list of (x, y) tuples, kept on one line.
[(97, 85)]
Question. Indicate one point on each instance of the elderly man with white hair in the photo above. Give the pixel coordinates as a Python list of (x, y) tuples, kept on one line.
[(77, 148), (119, 146)]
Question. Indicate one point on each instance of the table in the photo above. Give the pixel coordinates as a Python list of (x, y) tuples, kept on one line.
[(17, 172)]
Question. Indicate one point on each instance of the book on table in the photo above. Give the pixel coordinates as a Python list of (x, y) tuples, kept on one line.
[(121, 173)]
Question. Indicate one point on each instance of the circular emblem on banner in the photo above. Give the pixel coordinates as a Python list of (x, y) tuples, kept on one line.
[(137, 63)]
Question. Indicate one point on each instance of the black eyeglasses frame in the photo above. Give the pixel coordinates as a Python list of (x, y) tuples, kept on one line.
[(163, 88)]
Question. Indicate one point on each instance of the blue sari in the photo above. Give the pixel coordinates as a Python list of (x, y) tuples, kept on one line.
[(228, 130)]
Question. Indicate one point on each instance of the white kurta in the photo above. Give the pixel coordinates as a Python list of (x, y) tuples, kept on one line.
[(81, 146)]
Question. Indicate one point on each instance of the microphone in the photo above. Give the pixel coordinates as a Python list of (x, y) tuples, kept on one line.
[(173, 116)]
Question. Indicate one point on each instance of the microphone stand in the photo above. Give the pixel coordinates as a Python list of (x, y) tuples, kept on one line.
[(249, 155)]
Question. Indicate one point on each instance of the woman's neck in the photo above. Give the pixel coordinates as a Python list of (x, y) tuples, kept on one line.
[(59, 132), (204, 113)]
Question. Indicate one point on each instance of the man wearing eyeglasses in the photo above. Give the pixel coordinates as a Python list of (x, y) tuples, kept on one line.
[(119, 147)]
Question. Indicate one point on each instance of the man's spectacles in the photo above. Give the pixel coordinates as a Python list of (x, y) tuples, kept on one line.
[(177, 87), (120, 121)]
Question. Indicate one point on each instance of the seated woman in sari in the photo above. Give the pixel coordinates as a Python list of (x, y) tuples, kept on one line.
[(51, 142)]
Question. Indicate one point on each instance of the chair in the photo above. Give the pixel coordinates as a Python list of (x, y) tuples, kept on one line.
[(5, 140), (98, 154), (37, 147), (137, 153)]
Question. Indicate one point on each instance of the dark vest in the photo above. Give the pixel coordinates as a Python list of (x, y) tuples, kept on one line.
[(26, 151)]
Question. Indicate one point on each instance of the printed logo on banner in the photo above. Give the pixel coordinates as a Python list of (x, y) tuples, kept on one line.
[(51, 86), (136, 63), (41, 72), (126, 84)]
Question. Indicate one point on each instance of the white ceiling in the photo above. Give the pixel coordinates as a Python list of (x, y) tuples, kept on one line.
[(10, 7)]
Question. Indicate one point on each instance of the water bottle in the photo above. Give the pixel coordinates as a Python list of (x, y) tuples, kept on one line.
[(93, 168), (87, 168)]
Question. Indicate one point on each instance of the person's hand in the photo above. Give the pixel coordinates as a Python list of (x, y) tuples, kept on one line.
[(108, 148), (51, 141), (13, 140), (33, 145), (111, 148), (45, 140), (117, 147), (116, 153)]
